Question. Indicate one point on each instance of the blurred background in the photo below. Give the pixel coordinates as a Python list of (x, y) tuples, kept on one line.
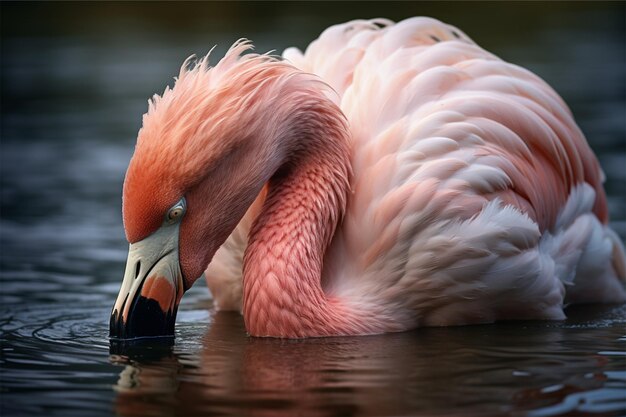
[(74, 81)]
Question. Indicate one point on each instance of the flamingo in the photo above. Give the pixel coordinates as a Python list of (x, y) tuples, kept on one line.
[(392, 176)]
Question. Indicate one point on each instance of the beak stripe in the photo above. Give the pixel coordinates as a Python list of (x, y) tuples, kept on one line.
[(160, 289)]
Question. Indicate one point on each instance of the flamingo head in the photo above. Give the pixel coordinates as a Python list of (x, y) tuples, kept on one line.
[(189, 182)]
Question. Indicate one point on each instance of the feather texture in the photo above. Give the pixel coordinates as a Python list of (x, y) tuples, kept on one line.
[(474, 195)]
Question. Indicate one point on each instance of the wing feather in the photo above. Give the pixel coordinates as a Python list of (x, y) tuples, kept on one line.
[(473, 192), (462, 162)]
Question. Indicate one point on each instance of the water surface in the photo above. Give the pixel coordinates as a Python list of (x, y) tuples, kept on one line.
[(75, 79)]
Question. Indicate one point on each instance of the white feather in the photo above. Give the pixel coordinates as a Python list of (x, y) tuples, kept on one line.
[(453, 216)]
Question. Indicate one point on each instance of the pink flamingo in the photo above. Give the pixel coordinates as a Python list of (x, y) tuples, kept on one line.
[(392, 176)]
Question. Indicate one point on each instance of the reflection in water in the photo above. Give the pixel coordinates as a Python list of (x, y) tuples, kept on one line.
[(509, 368), (152, 372)]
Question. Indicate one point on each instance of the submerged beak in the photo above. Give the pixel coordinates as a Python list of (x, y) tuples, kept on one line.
[(152, 288)]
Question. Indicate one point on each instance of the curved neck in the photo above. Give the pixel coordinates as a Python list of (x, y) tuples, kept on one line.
[(283, 262)]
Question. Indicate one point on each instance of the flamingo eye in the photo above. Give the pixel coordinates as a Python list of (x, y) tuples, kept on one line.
[(176, 212)]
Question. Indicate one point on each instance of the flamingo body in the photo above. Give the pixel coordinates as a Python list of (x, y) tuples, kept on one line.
[(435, 185)]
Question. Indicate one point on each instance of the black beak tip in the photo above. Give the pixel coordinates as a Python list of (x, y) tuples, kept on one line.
[(146, 319)]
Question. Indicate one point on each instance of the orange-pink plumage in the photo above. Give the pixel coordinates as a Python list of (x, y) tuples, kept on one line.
[(389, 177)]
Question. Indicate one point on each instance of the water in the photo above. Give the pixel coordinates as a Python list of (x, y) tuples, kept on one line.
[(73, 89)]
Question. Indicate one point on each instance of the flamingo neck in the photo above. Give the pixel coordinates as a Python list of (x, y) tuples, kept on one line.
[(282, 292)]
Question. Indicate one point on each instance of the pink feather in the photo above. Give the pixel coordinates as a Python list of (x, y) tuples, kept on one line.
[(408, 178)]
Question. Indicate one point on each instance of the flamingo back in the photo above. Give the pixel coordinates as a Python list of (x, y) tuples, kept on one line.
[(475, 195)]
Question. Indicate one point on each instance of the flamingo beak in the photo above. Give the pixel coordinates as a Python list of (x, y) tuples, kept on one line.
[(152, 288)]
